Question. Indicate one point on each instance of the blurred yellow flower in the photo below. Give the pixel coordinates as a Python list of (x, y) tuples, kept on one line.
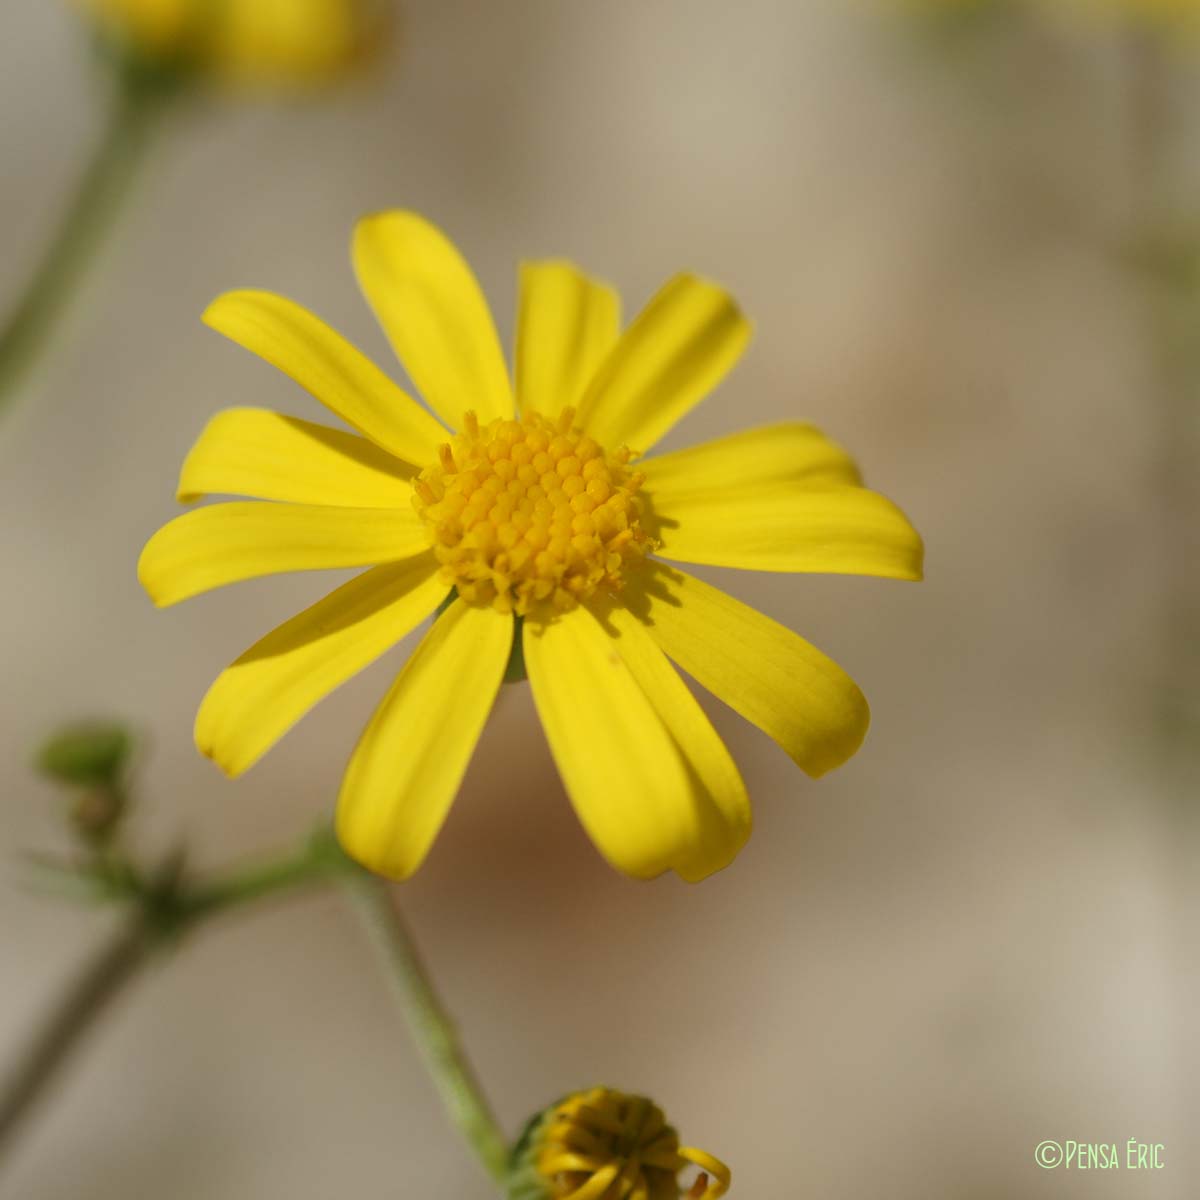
[(1174, 11), (546, 527), (605, 1145), (1169, 12), (273, 41)]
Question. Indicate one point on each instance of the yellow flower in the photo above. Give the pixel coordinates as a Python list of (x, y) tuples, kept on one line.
[(606, 1145), (1164, 13), (546, 525), (275, 41)]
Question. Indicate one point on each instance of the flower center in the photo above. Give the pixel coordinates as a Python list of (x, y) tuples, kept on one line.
[(531, 514)]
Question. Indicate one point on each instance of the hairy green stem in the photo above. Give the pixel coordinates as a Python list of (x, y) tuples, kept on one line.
[(90, 215), (432, 1029)]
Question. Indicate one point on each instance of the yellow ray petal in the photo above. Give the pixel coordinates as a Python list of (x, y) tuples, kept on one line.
[(435, 315), (680, 346), (621, 767), (226, 543), (411, 759), (787, 453), (322, 362), (791, 527), (761, 669), (566, 325), (722, 808), (268, 689), (255, 452)]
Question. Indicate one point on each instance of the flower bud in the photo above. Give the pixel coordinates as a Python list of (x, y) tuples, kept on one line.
[(93, 755), (93, 758), (608, 1145)]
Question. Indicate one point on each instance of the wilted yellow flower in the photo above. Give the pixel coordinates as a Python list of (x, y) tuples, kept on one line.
[(607, 1145), (275, 41), (548, 529)]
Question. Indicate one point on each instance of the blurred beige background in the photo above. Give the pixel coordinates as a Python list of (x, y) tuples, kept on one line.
[(972, 938)]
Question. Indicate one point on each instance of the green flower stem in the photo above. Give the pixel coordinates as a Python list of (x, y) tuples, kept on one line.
[(318, 862), (431, 1027), (1174, 306), (165, 907), (90, 215)]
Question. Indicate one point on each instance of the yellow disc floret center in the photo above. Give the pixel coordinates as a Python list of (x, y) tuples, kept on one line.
[(532, 514)]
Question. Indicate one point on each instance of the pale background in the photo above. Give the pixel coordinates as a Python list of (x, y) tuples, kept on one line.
[(968, 940)]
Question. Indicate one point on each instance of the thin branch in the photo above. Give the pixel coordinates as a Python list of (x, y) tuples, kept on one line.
[(90, 215), (73, 1017)]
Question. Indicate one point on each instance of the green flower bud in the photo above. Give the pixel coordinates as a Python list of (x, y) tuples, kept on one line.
[(87, 755), (95, 759)]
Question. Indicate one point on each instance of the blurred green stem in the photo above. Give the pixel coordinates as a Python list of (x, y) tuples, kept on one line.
[(432, 1029), (1174, 303), (1147, 116), (164, 908), (318, 862), (80, 1008), (90, 215)]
